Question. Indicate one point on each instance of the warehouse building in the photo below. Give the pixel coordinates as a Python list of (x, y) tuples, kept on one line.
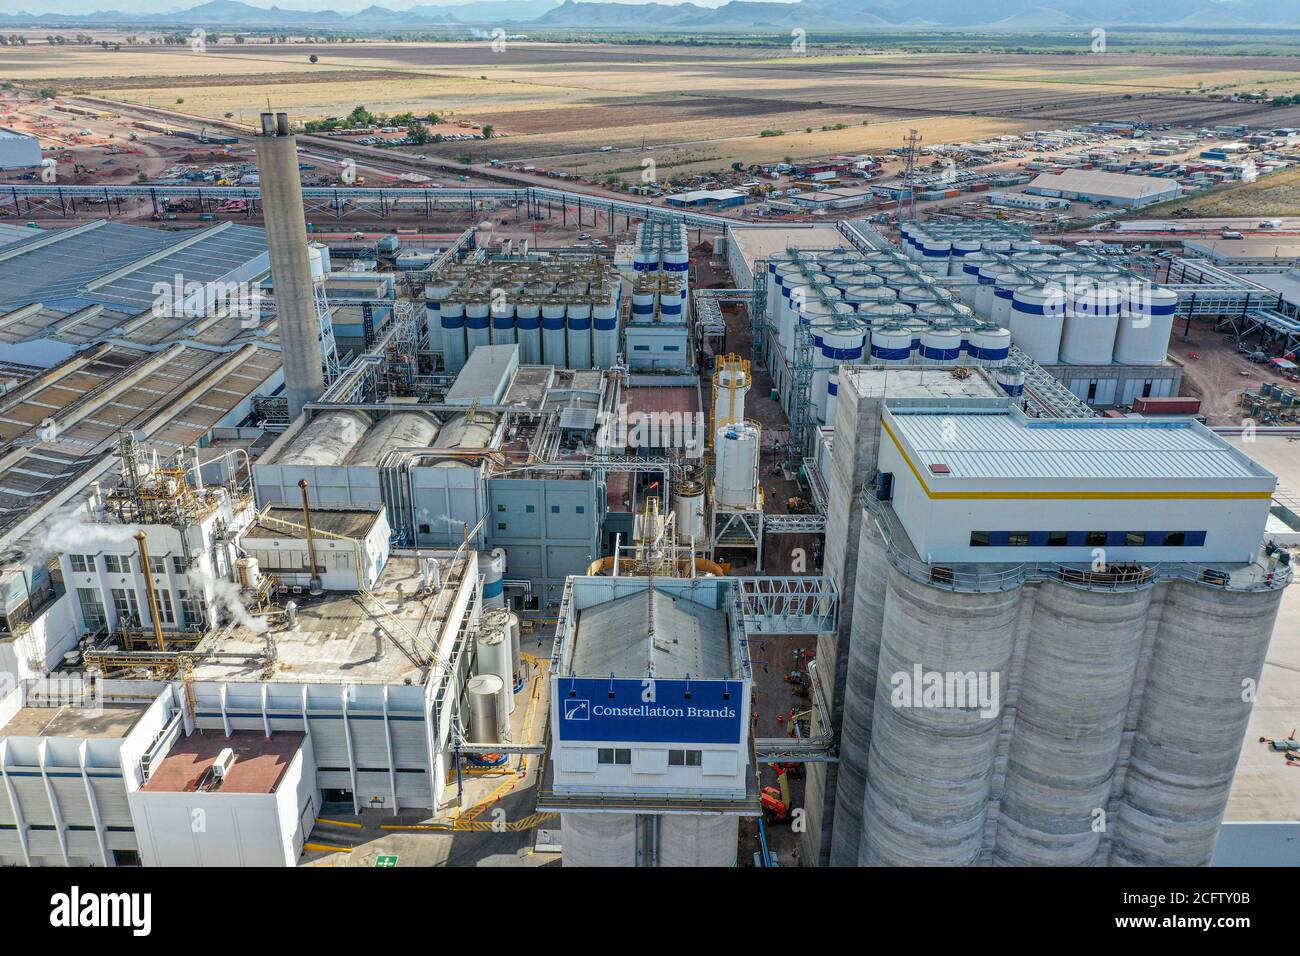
[(1118, 189), (18, 150), (1147, 537)]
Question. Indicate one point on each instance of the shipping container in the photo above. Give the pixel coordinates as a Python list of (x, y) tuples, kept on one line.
[(1167, 405)]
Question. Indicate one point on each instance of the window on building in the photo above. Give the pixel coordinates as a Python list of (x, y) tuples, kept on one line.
[(979, 539), (612, 755), (529, 509), (157, 565), (501, 526), (581, 509), (126, 858), (1058, 539), (179, 564), (1018, 539), (165, 610), (685, 758), (1175, 539), (1146, 389), (1096, 539), (92, 608), (124, 604), (555, 509), (1134, 539), (117, 563), (82, 562), (191, 615), (501, 507), (1092, 390)]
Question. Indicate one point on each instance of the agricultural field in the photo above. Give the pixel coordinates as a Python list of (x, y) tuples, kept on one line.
[(699, 109)]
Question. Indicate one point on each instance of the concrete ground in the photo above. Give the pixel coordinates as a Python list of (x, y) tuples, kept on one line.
[(1266, 788), (494, 822)]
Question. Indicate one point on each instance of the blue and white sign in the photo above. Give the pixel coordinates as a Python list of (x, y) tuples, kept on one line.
[(649, 711)]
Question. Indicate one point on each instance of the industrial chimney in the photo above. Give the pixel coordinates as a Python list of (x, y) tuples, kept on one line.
[(286, 234)]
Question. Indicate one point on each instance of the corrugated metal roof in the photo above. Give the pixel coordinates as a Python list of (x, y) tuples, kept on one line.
[(1102, 183), (1010, 446), (613, 638), (57, 273)]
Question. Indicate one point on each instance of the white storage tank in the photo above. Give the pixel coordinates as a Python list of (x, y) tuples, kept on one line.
[(494, 654), (737, 449), (553, 333), (604, 321), (1145, 326), (486, 722), (988, 344), (891, 345), (579, 336), (1004, 290), (961, 249), (732, 390), (477, 322), (1037, 320), (503, 323), (1011, 380), (454, 352), (941, 344), (688, 506), (528, 327), (988, 277), (1088, 337), (935, 254), (493, 568)]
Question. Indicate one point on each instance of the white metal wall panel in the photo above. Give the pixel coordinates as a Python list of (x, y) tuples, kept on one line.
[(45, 843), (329, 743), (32, 799), (369, 743), (110, 796), (413, 789), (73, 805), (409, 748), (83, 843), (334, 779)]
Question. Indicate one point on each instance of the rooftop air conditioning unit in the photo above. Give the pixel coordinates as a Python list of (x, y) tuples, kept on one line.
[(221, 766)]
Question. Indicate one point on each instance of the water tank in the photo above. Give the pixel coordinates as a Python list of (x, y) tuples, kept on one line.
[(935, 254), (737, 449), (1037, 319), (1145, 325), (483, 700), (988, 276), (1091, 322), (528, 327)]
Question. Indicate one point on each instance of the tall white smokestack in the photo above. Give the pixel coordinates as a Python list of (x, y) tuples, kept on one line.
[(286, 235)]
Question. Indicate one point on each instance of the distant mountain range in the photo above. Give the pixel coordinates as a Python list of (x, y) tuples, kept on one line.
[(734, 16)]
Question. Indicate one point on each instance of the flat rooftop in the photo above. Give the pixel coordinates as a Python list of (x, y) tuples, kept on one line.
[(340, 638), (614, 638), (1227, 250), (938, 383), (485, 377), (762, 243), (108, 721), (347, 522), (260, 762), (1097, 182), (1009, 445), (684, 399)]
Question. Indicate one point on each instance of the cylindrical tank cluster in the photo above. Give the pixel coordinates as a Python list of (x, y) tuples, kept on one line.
[(1069, 307), (496, 653), (559, 312), (1089, 767), (873, 307), (661, 261)]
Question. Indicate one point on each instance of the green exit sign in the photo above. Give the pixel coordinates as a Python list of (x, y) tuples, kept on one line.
[(385, 861)]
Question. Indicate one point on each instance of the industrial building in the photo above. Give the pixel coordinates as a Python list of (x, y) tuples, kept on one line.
[(658, 334), (1094, 617), (1024, 201), (18, 150), (1118, 189)]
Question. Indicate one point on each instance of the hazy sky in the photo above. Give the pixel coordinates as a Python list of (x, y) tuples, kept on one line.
[(75, 7)]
